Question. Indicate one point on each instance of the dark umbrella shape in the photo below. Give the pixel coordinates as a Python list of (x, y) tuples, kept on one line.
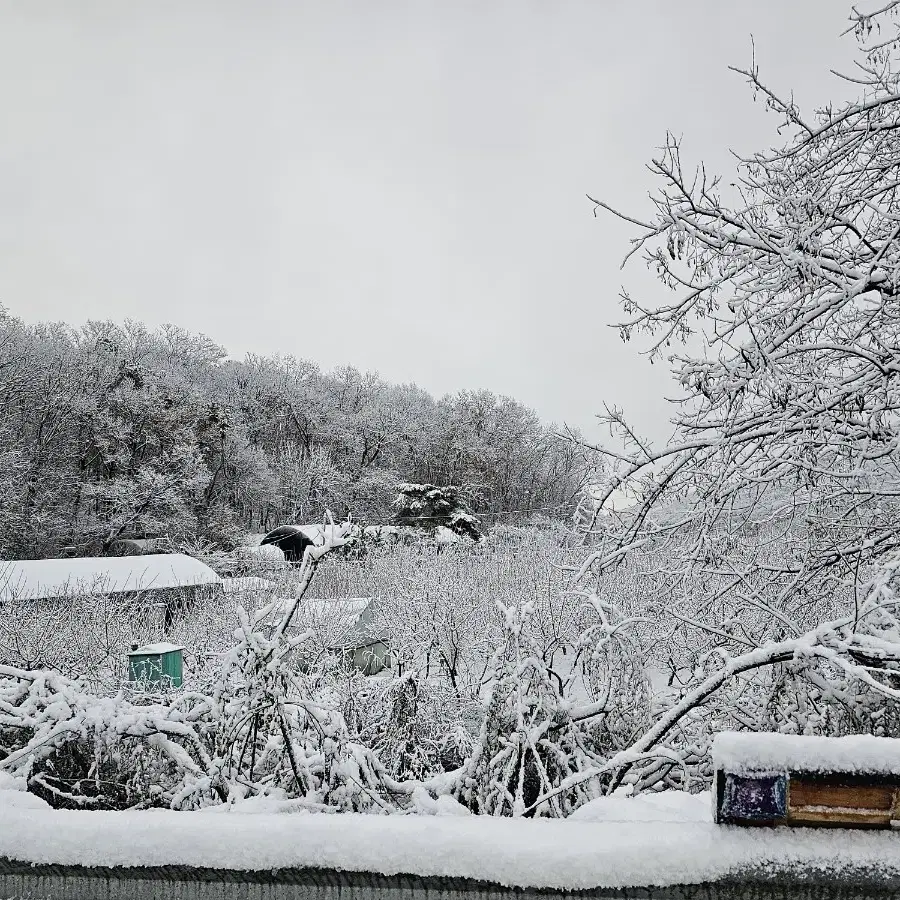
[(290, 540)]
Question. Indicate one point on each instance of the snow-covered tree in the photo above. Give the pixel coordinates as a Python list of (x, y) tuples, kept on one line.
[(430, 507), (776, 501), (530, 744)]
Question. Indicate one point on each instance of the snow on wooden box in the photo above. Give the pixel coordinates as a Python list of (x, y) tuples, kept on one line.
[(777, 779)]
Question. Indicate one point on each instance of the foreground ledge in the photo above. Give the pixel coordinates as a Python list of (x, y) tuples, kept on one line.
[(660, 847), (70, 882)]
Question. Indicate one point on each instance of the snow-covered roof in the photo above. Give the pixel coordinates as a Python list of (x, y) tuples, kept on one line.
[(346, 610), (37, 579), (248, 584), (155, 649), (264, 550), (748, 753), (346, 622)]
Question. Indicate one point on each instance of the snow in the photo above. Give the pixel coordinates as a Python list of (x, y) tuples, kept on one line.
[(760, 753), (13, 794), (621, 849), (267, 551), (43, 578), (249, 584), (340, 622), (665, 806), (21, 800), (444, 535), (154, 649), (346, 610), (317, 533)]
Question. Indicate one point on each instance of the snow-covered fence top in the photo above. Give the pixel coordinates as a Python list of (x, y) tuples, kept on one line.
[(616, 843), (754, 754), (46, 578)]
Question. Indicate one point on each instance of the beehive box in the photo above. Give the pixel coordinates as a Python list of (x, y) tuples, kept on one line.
[(777, 779), (157, 665)]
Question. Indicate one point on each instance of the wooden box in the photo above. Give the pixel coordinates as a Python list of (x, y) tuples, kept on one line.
[(773, 779)]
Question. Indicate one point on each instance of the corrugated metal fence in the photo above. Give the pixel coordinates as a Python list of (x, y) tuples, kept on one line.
[(23, 880)]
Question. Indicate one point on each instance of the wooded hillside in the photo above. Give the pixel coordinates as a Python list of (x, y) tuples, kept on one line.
[(112, 430)]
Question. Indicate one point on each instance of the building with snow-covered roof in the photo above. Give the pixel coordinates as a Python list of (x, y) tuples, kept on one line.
[(174, 580), (347, 626)]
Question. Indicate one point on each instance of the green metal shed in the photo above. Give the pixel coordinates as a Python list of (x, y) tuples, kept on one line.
[(157, 665)]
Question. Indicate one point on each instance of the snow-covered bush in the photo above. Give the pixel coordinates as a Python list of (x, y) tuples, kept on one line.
[(528, 744), (259, 727), (82, 636)]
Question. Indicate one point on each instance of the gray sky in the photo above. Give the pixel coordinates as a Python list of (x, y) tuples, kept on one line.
[(397, 186)]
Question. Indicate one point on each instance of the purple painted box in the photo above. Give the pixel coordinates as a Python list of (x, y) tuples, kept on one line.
[(749, 799)]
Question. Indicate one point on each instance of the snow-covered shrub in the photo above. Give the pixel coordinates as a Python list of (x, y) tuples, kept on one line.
[(409, 721), (755, 529), (259, 727), (274, 734), (506, 691), (535, 531), (80, 750), (528, 744), (82, 636)]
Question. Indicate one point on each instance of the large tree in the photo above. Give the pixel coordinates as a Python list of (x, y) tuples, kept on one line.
[(777, 498)]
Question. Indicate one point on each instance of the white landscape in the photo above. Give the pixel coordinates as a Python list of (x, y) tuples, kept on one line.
[(273, 625)]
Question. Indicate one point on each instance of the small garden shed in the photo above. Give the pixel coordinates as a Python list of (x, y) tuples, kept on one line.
[(354, 632), (348, 627), (157, 665)]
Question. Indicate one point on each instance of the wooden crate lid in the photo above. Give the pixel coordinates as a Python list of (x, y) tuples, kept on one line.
[(742, 753)]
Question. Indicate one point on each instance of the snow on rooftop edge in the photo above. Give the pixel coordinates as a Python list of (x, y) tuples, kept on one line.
[(41, 578), (748, 752), (527, 853)]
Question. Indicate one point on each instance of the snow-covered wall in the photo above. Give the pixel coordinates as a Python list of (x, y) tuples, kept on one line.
[(615, 843)]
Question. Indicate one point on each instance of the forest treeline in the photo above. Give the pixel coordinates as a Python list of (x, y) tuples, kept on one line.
[(116, 430)]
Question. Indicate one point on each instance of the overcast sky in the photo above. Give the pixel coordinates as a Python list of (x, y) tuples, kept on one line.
[(397, 186)]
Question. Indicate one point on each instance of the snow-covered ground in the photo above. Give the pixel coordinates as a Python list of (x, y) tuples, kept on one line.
[(662, 839)]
